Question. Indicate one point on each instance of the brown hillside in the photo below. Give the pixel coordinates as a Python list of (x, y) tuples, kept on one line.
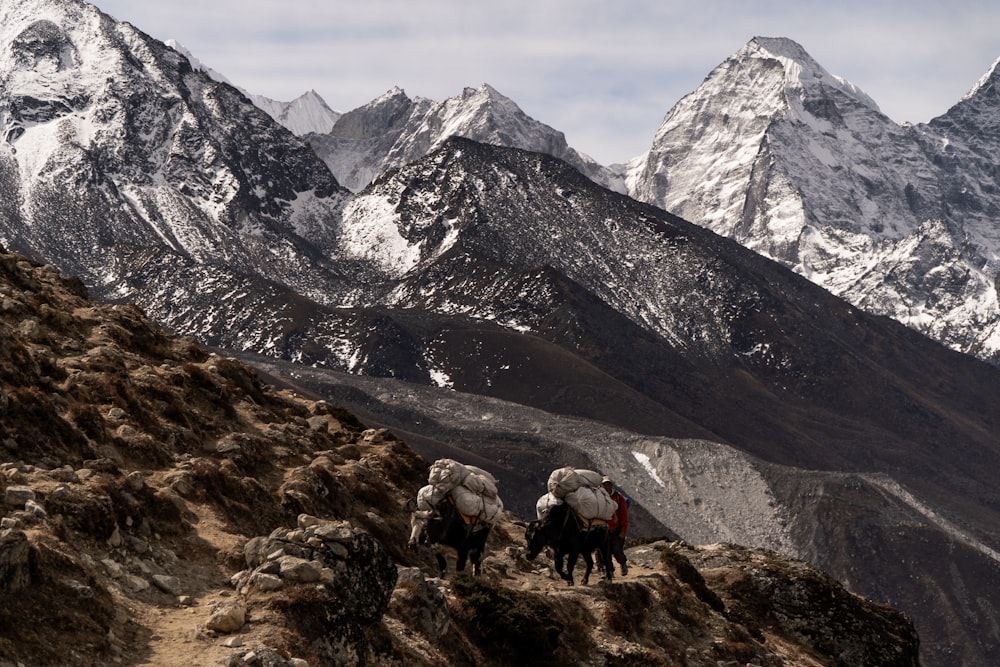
[(164, 506)]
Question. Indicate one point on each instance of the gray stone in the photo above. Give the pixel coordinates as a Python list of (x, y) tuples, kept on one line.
[(168, 584), (300, 570), (135, 584), (135, 481), (17, 496), (334, 532), (255, 551), (34, 508), (265, 582), (15, 556), (226, 617), (338, 550)]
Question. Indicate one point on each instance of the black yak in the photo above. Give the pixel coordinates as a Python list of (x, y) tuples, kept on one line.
[(570, 536)]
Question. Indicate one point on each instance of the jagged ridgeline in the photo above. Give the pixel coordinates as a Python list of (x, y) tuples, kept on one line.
[(164, 506), (489, 270)]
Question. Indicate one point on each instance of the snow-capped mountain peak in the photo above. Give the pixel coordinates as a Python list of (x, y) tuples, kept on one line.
[(307, 113), (801, 166), (984, 81), (394, 130), (801, 70)]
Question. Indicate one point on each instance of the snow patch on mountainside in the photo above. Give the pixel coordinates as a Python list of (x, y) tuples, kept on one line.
[(643, 459), (370, 232)]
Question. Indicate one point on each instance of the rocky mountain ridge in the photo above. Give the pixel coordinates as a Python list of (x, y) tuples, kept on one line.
[(502, 273), (394, 130), (791, 161), (773, 151), (163, 506)]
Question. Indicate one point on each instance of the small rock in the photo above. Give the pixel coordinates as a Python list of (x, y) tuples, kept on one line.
[(115, 570), (17, 496), (338, 550), (136, 584), (335, 532), (34, 508), (265, 582), (82, 590), (300, 569), (233, 642), (227, 617), (319, 424), (167, 584), (65, 474), (135, 481)]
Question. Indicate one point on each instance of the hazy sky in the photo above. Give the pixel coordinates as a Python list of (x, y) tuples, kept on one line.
[(603, 72)]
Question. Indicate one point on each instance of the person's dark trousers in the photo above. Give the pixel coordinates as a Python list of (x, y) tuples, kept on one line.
[(618, 549)]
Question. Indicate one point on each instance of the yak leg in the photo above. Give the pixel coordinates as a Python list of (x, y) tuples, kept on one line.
[(604, 553), (463, 556), (588, 560), (442, 563), (558, 557), (570, 564)]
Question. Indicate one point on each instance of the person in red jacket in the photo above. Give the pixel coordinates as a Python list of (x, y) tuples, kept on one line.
[(618, 525)]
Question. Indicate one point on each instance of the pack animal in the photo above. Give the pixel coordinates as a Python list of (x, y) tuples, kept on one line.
[(570, 536), (445, 525)]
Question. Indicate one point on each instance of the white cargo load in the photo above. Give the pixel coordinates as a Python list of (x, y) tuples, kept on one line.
[(581, 490), (473, 490)]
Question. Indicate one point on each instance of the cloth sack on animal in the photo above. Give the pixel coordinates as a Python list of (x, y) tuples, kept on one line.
[(428, 497), (446, 474), (592, 503), (563, 481), (480, 481), (477, 505), (545, 505)]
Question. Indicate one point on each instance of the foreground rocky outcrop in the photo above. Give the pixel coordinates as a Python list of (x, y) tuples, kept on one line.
[(163, 505)]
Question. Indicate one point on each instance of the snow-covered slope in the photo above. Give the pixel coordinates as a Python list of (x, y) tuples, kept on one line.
[(802, 166), (115, 152), (393, 130)]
